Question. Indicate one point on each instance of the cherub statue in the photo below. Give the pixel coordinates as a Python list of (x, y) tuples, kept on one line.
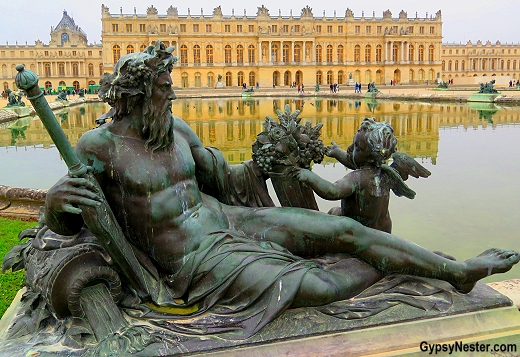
[(364, 192)]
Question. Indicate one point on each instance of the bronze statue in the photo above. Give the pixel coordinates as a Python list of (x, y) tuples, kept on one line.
[(14, 99), (372, 88), (365, 192), (145, 197), (487, 88)]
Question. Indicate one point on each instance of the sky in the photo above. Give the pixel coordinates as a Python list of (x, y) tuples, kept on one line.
[(463, 20)]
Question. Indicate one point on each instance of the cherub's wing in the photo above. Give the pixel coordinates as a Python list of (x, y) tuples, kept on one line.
[(395, 181), (407, 166)]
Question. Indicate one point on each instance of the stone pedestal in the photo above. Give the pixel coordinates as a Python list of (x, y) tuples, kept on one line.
[(219, 85), (483, 97), (20, 111)]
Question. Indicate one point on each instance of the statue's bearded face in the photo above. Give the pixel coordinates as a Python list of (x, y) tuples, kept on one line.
[(157, 116)]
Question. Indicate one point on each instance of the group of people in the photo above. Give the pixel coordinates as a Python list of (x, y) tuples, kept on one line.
[(514, 83), (357, 87), (334, 88)]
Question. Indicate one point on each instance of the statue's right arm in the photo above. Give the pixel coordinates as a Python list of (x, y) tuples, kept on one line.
[(62, 214)]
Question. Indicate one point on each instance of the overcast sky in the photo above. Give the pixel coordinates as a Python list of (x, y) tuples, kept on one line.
[(463, 20)]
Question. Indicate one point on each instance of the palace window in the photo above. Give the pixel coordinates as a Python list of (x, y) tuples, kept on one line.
[(340, 29), (240, 77), (162, 28), (410, 29), (274, 53), (318, 28), (368, 53), (75, 69), (115, 27), (22, 54), (431, 52), (198, 83), (432, 30), (227, 54), (411, 53), (319, 77), (329, 53), (90, 70), (142, 27), (357, 53), (421, 30), (89, 53), (379, 29), (340, 54), (330, 77), (227, 28), (319, 58), (229, 79), (183, 27), (285, 53), (196, 55), (184, 80), (329, 29), (251, 54), (209, 54), (47, 69), (101, 69), (379, 53), (184, 55), (296, 28), (208, 28), (116, 53), (251, 28), (195, 27), (240, 54), (128, 27), (395, 29), (252, 79), (286, 28), (297, 53), (129, 49), (61, 68), (239, 28), (368, 29), (357, 29), (211, 81), (274, 28), (421, 53)]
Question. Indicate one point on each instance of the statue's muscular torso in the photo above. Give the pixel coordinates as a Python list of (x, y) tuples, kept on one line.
[(155, 197)]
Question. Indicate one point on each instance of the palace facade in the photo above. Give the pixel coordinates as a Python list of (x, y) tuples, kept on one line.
[(265, 49), (67, 61)]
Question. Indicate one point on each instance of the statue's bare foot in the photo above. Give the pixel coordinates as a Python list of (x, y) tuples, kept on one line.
[(492, 261)]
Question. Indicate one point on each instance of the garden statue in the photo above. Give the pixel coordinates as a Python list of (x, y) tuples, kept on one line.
[(372, 88), (487, 88), (365, 191), (317, 88), (14, 99), (443, 85), (147, 241), (81, 93), (62, 96)]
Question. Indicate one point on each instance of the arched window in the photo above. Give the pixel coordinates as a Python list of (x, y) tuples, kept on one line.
[(184, 55), (209, 55), (196, 55), (240, 78), (449, 65), (240, 54), (341, 77), (285, 53), (319, 58), (75, 84), (4, 70), (411, 53), (229, 79), (330, 77), (379, 53), (340, 53), (211, 80), (64, 38), (357, 53), (276, 78), (227, 54), (463, 65), (274, 53), (184, 80), (329, 53), (116, 52), (297, 53), (319, 77), (252, 79), (61, 69), (90, 67), (421, 53), (431, 51), (395, 52), (75, 69), (142, 48), (411, 76), (368, 53), (62, 84), (129, 49), (456, 65), (287, 78), (198, 83), (47, 69), (251, 54)]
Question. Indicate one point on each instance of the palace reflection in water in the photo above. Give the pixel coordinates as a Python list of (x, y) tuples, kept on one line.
[(232, 125), (469, 203)]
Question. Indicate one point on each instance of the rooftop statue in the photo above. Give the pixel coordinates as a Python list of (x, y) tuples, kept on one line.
[(150, 220)]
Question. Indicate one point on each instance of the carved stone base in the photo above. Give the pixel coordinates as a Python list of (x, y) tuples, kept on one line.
[(20, 111), (482, 97), (483, 316)]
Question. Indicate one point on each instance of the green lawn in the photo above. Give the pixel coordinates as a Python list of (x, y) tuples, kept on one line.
[(10, 282)]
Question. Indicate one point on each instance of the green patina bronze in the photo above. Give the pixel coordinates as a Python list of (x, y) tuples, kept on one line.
[(151, 224)]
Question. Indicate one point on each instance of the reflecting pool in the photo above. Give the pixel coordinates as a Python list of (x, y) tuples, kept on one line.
[(470, 202)]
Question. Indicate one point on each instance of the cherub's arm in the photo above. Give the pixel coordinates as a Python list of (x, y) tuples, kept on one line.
[(343, 156), (328, 190)]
